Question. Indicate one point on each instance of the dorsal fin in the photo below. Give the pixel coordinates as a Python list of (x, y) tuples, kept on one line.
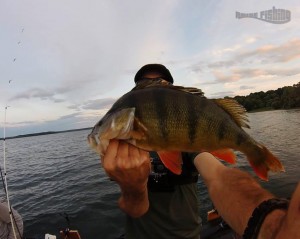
[(235, 110), (143, 84), (192, 90)]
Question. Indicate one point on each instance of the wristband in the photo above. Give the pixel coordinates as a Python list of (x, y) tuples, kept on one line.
[(259, 214)]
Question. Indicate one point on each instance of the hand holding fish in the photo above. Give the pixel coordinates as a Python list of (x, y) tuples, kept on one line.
[(129, 166)]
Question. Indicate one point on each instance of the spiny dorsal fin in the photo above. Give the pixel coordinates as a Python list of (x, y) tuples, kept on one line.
[(235, 110), (143, 84), (192, 90)]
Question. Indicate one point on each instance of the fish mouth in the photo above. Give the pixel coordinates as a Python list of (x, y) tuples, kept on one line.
[(93, 133), (114, 125)]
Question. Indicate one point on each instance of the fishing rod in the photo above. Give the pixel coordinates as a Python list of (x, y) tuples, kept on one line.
[(13, 221), (5, 176)]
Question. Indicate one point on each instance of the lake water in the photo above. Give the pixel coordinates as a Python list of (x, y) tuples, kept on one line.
[(54, 174)]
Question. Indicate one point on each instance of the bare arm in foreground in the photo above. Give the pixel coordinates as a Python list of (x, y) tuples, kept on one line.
[(130, 168), (236, 194)]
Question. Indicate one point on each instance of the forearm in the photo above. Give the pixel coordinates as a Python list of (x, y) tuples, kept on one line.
[(130, 168), (134, 203), (234, 193)]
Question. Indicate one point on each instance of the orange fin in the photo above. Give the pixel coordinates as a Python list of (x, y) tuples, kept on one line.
[(225, 154), (261, 171), (172, 160), (264, 162), (235, 110)]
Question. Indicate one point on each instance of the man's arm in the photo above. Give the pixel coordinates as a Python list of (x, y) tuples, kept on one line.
[(130, 168), (236, 194)]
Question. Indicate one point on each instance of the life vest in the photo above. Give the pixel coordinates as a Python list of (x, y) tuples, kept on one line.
[(162, 179)]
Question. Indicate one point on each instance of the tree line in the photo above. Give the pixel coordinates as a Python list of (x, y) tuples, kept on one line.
[(287, 97)]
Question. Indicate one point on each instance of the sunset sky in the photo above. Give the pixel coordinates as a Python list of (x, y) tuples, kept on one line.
[(64, 62)]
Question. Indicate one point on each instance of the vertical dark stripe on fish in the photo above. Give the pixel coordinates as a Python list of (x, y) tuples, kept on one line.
[(193, 118), (240, 139), (160, 106), (131, 101), (222, 129)]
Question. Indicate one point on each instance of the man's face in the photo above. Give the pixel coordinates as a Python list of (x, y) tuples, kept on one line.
[(154, 76)]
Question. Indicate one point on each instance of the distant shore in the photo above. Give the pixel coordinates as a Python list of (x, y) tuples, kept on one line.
[(44, 133)]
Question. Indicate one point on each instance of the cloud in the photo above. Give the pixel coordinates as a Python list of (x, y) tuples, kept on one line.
[(250, 40), (226, 50), (245, 87), (285, 52), (39, 93), (272, 53), (238, 74), (52, 94), (58, 100), (34, 93), (69, 116), (220, 64), (97, 104), (221, 94), (220, 77), (21, 123)]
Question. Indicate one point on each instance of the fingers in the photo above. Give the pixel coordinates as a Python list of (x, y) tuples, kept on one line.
[(126, 164), (130, 156), (134, 154), (123, 150), (109, 159), (145, 158), (121, 155), (122, 159)]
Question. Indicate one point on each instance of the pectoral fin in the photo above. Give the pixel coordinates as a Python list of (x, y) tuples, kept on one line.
[(172, 160), (225, 154)]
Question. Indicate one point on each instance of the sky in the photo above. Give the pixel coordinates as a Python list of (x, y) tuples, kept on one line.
[(64, 62)]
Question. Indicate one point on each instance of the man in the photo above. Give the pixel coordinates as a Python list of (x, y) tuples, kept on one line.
[(159, 204)]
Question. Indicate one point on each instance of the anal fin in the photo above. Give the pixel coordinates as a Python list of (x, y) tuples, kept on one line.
[(225, 154)]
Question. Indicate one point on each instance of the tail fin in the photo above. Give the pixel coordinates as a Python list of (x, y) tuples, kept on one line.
[(263, 161)]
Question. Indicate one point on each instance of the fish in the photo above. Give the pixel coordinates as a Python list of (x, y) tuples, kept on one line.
[(170, 119)]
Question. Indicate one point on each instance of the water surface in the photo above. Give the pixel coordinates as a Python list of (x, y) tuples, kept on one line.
[(54, 174)]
